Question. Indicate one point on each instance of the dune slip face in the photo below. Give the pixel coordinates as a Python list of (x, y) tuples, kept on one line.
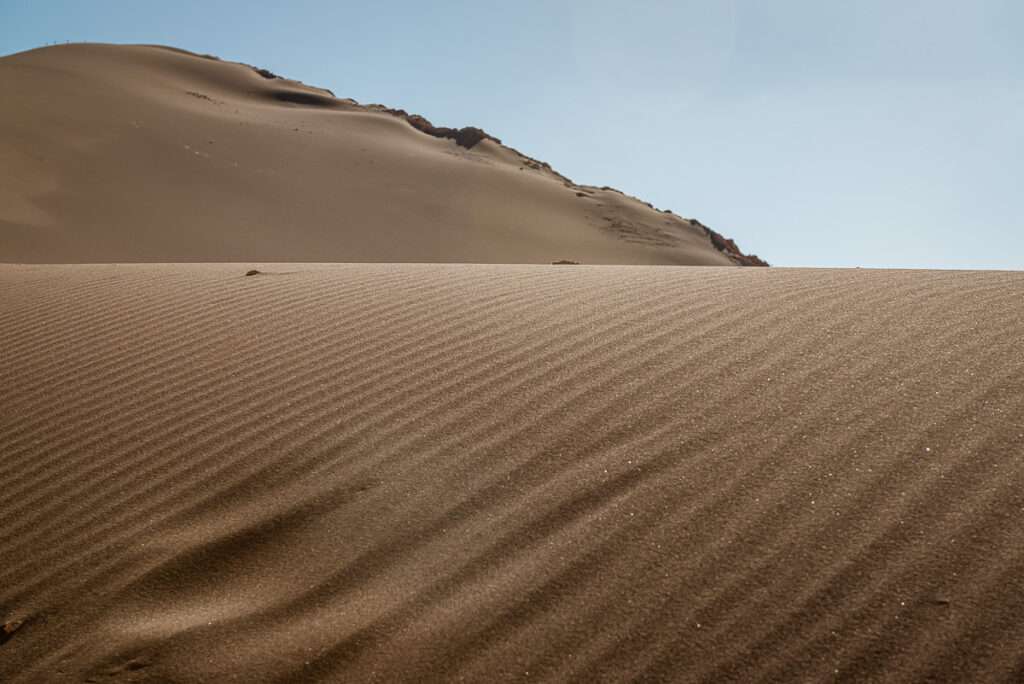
[(133, 153), (380, 472)]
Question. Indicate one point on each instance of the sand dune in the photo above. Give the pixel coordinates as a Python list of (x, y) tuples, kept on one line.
[(457, 472), (442, 472), (116, 153)]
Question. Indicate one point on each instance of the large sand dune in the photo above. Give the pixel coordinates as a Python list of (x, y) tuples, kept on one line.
[(442, 472), (114, 153)]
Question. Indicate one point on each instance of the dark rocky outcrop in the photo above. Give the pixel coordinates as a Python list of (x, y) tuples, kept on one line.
[(467, 137), (724, 244)]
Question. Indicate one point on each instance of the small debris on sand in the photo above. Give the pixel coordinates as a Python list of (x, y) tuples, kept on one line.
[(9, 629), (252, 272)]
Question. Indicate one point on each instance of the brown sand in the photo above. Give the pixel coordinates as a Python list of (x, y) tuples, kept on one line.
[(148, 154), (442, 472)]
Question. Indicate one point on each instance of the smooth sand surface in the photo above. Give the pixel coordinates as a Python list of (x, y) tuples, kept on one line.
[(114, 153), (378, 472)]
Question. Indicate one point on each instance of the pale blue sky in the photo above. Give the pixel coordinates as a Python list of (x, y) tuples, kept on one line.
[(882, 133)]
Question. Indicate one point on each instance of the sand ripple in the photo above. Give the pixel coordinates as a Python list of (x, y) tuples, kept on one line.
[(435, 472)]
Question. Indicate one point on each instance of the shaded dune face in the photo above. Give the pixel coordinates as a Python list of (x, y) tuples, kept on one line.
[(394, 473), (149, 154)]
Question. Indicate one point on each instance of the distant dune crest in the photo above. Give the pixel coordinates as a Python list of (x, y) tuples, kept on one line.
[(118, 153)]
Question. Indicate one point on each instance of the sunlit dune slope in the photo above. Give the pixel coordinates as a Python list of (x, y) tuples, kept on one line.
[(116, 153), (469, 472)]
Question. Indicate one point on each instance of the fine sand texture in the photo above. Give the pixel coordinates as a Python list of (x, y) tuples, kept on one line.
[(115, 153), (375, 472)]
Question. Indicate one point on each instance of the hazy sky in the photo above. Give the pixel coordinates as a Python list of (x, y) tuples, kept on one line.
[(813, 132)]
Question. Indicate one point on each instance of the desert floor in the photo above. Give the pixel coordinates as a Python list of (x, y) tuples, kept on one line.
[(379, 472)]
